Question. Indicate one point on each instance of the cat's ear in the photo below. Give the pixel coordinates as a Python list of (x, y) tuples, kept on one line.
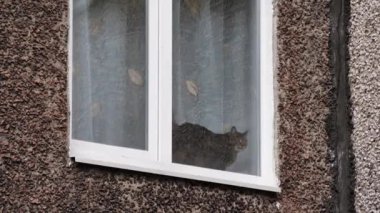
[(233, 129), (245, 133)]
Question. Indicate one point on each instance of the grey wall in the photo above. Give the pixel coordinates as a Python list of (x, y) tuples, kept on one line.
[(364, 76)]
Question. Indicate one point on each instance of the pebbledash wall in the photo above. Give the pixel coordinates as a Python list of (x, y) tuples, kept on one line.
[(36, 174), (364, 78)]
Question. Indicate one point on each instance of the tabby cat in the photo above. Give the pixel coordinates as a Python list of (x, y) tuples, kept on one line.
[(196, 145)]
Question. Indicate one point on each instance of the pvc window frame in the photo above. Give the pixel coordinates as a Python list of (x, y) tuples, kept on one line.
[(157, 159)]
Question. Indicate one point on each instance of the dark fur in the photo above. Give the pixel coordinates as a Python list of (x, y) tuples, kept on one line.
[(198, 146)]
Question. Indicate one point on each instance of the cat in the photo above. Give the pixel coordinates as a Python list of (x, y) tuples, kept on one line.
[(196, 145)]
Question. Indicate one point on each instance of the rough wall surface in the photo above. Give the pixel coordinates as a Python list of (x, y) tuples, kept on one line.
[(35, 173), (364, 76), (304, 87)]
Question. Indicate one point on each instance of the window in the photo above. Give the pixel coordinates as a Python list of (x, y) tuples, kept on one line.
[(174, 87)]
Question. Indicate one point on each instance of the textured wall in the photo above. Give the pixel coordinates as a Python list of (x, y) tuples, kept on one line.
[(364, 64), (34, 169)]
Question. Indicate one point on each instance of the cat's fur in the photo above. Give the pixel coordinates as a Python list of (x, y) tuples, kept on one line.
[(198, 146)]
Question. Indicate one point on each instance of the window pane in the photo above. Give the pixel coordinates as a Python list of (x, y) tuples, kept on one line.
[(215, 85), (109, 72)]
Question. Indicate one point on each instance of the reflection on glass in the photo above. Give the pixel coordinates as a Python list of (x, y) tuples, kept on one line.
[(215, 85), (109, 72)]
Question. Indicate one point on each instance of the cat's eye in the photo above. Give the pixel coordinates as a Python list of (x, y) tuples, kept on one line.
[(175, 87)]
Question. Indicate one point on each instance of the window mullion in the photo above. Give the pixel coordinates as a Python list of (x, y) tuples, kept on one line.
[(165, 80)]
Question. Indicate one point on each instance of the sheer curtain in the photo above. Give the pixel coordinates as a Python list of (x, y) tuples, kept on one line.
[(109, 71), (215, 75)]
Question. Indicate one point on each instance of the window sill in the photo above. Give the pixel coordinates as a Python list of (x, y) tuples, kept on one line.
[(87, 152)]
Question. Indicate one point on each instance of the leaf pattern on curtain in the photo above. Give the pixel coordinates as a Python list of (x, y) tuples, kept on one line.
[(214, 70), (109, 94)]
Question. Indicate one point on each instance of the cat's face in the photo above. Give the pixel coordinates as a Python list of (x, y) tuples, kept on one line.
[(238, 140), (241, 144)]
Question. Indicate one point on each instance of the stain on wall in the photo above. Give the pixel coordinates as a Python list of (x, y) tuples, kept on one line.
[(35, 173)]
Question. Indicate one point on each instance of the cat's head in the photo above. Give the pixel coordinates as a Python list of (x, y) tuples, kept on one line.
[(238, 140)]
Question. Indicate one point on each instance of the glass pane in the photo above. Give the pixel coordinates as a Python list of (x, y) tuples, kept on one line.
[(109, 72), (215, 85)]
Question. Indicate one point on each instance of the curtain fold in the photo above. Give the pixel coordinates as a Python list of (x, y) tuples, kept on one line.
[(215, 72), (213, 60), (109, 88)]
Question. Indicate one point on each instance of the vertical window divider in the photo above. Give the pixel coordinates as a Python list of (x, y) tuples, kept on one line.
[(165, 80)]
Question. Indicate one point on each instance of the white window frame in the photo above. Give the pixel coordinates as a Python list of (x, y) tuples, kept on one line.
[(157, 159)]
